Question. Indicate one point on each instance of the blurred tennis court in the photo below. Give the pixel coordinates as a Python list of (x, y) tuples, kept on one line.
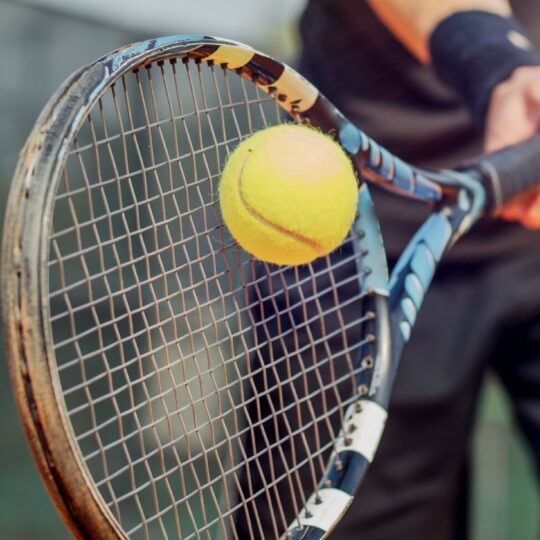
[(42, 42)]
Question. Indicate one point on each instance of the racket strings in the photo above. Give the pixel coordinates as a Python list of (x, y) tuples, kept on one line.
[(225, 361), (203, 388)]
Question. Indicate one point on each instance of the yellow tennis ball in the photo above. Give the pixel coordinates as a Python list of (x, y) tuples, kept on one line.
[(288, 194)]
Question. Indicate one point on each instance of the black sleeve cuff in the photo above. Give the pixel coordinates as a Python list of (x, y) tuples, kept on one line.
[(473, 51)]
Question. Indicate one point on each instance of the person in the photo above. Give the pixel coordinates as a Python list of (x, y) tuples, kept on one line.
[(436, 83)]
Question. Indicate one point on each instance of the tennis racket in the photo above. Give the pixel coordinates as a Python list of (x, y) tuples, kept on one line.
[(170, 385)]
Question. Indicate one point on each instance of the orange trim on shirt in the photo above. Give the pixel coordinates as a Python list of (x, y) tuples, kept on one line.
[(406, 34)]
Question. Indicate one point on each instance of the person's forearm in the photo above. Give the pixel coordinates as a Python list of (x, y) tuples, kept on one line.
[(471, 45), (487, 59), (413, 21)]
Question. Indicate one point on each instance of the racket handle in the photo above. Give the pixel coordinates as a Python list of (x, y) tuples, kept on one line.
[(510, 171)]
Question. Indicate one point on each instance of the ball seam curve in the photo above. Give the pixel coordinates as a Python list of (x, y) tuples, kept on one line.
[(313, 244)]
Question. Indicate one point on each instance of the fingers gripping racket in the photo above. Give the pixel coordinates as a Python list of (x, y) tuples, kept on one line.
[(170, 385)]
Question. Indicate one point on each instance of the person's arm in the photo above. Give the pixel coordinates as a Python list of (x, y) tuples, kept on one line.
[(478, 49), (413, 21)]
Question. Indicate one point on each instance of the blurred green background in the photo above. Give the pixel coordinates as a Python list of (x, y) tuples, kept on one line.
[(42, 42)]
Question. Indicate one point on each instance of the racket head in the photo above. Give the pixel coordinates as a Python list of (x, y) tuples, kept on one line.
[(67, 311)]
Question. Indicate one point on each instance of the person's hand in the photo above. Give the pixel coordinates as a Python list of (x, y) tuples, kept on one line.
[(514, 116)]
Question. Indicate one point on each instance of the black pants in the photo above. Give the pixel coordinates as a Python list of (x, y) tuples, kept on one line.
[(473, 318)]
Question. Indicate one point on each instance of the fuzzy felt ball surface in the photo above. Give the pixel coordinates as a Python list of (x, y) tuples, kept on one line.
[(288, 194)]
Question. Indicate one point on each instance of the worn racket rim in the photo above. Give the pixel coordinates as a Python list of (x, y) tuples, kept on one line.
[(74, 456)]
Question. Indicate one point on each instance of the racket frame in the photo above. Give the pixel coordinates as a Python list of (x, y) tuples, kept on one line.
[(25, 285)]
